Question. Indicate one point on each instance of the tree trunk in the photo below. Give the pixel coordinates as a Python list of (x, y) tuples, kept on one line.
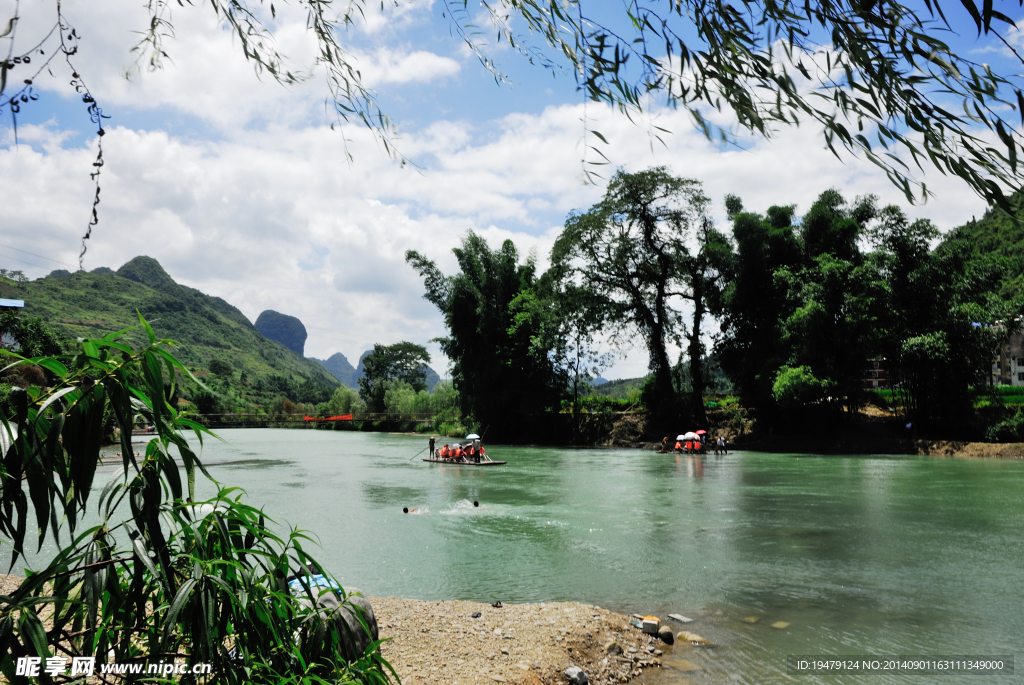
[(696, 351), (664, 414)]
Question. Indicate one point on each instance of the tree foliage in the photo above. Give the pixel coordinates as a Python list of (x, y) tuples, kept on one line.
[(403, 362), (161, 575), (808, 307), (29, 335), (506, 381), (630, 252)]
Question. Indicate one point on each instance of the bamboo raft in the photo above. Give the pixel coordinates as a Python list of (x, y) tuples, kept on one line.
[(489, 462)]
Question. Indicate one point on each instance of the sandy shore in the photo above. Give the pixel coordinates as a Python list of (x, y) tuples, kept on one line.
[(441, 643)]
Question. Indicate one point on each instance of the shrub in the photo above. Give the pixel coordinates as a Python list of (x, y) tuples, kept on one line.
[(219, 367), (796, 387), (162, 575), (345, 400)]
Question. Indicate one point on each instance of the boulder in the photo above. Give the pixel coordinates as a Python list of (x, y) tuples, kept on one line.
[(693, 639), (665, 633), (576, 676), (353, 638), (612, 647)]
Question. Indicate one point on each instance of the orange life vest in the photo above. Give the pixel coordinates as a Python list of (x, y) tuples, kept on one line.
[(471, 450), (445, 451), (679, 445)]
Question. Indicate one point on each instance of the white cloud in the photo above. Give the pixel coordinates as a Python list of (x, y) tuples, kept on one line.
[(391, 17), (385, 65), (206, 74)]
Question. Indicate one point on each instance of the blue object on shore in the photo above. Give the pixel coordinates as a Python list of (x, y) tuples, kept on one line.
[(319, 580)]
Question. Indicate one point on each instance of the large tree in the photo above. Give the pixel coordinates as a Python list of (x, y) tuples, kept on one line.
[(507, 382), (403, 362), (941, 313), (630, 252), (706, 273), (751, 349)]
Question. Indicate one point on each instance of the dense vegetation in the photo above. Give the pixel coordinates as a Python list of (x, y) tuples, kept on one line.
[(999, 237), (803, 304)]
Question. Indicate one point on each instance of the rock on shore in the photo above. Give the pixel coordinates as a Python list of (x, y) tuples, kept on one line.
[(526, 644)]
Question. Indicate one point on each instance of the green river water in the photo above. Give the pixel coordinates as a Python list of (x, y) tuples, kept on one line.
[(861, 555)]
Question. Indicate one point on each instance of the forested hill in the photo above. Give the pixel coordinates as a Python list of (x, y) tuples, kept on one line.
[(207, 328), (998, 236)]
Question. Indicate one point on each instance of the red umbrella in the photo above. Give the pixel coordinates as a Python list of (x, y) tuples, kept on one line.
[(702, 432)]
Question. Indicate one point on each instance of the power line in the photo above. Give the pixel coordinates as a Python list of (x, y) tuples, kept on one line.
[(49, 259), (24, 262)]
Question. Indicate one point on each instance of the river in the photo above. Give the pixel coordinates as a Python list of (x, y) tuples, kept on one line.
[(861, 555)]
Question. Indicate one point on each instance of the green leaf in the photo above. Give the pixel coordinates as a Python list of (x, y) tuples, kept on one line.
[(32, 628), (179, 601), (145, 325), (143, 554)]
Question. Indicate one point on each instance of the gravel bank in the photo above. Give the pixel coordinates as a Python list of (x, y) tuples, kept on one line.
[(529, 644)]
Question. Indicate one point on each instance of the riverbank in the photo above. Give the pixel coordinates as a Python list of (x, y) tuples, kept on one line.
[(440, 642), (874, 444)]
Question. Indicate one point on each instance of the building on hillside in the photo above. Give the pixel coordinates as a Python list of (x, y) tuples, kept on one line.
[(875, 376), (1008, 366)]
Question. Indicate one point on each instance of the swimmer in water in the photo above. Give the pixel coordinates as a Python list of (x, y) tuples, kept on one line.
[(407, 510)]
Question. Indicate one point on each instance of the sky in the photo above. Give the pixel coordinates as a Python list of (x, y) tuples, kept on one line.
[(239, 187)]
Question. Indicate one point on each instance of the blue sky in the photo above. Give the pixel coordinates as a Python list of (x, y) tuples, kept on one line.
[(239, 188)]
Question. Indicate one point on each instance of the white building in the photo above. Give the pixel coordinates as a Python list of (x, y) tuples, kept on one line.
[(1008, 367)]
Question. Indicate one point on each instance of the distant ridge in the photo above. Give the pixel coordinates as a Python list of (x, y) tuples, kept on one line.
[(148, 271), (339, 367)]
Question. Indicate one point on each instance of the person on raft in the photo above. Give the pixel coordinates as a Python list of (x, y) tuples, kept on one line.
[(679, 446), (444, 452), (430, 444)]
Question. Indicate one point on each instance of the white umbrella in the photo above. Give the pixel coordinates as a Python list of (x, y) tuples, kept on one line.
[(691, 436), (472, 436), (680, 437)]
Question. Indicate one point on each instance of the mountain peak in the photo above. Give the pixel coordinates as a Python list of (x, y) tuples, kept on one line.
[(282, 328), (147, 271)]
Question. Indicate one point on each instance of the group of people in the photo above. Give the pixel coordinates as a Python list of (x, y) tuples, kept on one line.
[(470, 452), (695, 446)]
